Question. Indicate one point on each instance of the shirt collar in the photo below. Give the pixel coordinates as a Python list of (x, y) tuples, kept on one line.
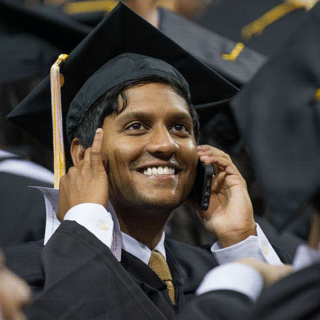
[(140, 250)]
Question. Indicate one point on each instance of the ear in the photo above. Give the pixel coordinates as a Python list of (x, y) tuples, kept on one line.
[(76, 151)]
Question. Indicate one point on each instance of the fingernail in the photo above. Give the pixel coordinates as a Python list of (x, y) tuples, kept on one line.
[(99, 130)]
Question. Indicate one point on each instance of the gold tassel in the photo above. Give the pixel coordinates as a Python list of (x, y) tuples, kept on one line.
[(256, 27), (56, 80), (89, 6), (233, 55), (308, 4)]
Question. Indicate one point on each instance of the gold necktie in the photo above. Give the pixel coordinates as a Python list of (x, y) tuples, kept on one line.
[(159, 265)]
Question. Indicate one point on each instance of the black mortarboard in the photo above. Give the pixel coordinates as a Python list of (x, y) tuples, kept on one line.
[(120, 32), (211, 48), (31, 39), (58, 29), (278, 113)]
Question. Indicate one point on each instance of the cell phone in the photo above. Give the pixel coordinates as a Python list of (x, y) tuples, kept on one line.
[(201, 189)]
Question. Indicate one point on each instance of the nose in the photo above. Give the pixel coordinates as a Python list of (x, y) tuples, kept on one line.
[(161, 144)]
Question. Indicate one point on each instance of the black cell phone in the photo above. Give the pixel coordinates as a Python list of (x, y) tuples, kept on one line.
[(202, 186)]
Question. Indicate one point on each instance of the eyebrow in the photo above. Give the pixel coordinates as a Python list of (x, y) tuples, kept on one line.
[(140, 115)]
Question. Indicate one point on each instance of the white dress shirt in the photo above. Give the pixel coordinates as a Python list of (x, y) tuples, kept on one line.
[(96, 219), (247, 280)]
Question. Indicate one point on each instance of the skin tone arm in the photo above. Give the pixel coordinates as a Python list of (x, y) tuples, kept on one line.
[(14, 294)]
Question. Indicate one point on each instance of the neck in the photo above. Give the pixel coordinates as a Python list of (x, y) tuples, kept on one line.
[(147, 9), (146, 227), (168, 4)]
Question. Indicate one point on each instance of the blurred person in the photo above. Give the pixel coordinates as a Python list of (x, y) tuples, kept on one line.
[(262, 25), (190, 9), (14, 294), (18, 199), (290, 180)]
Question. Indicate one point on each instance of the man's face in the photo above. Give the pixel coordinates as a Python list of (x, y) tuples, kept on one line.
[(150, 149)]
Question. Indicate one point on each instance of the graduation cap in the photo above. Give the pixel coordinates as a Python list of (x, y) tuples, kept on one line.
[(278, 113), (122, 31), (262, 25), (236, 63), (56, 28), (31, 39)]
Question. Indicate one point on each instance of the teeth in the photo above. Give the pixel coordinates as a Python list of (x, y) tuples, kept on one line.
[(158, 170)]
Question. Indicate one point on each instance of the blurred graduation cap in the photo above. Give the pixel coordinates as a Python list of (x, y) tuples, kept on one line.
[(234, 61), (90, 12), (278, 113), (122, 31), (262, 25), (31, 38), (58, 29)]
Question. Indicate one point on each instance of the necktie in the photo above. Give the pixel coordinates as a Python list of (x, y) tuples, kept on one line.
[(159, 265)]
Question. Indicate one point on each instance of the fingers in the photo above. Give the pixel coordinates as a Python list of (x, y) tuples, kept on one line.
[(226, 173), (218, 158), (93, 155)]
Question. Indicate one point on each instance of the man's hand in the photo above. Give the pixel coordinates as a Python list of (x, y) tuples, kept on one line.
[(230, 213), (86, 182), (270, 273)]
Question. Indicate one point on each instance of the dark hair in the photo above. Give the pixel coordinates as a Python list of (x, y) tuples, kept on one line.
[(108, 103)]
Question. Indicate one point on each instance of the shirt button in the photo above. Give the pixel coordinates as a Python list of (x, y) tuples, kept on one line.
[(103, 226), (265, 250)]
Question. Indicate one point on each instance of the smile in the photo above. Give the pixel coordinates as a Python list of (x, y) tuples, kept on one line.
[(159, 171)]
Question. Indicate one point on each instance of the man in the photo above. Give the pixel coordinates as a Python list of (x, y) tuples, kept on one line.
[(133, 142)]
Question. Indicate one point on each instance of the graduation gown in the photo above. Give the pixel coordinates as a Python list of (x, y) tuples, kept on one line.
[(75, 276), (17, 201)]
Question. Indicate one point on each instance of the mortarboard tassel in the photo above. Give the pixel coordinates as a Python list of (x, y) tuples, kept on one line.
[(56, 81), (256, 27), (79, 7)]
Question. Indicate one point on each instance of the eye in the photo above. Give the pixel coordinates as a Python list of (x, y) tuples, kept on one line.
[(181, 129), (135, 128)]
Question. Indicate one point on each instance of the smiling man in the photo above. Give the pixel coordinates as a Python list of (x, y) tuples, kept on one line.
[(133, 135)]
